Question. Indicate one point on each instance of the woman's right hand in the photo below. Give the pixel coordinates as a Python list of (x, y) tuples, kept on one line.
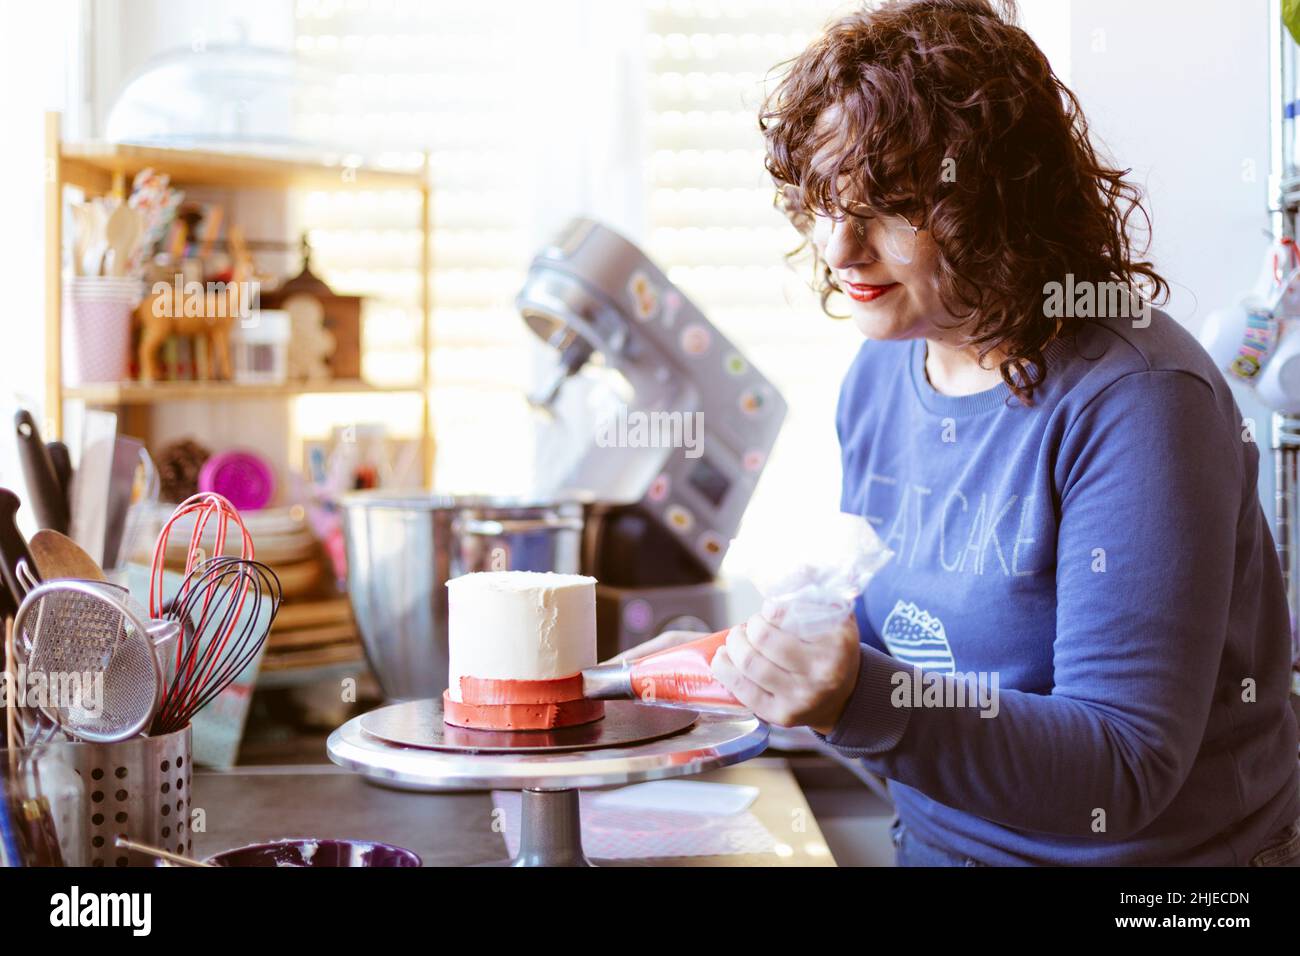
[(661, 643)]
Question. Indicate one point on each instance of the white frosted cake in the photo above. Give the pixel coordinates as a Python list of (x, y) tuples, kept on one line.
[(519, 626)]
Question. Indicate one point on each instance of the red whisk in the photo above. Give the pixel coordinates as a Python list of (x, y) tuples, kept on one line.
[(204, 507), (208, 613)]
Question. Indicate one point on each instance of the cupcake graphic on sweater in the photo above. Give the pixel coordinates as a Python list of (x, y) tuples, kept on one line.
[(917, 637)]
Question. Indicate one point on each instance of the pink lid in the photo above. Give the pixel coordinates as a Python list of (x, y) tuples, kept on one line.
[(241, 476)]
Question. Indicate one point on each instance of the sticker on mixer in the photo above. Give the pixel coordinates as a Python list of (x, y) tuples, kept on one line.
[(645, 296), (696, 340), (751, 402), (753, 460), (680, 518), (710, 544), (638, 616), (736, 364), (672, 305), (658, 488)]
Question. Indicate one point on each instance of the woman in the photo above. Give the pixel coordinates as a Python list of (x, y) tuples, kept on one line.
[(1061, 472)]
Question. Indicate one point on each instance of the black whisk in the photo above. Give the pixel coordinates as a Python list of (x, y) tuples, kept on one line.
[(219, 607)]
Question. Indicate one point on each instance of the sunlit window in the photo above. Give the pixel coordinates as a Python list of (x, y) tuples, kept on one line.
[(640, 114)]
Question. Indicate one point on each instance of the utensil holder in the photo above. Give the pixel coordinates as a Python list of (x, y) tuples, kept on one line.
[(137, 788)]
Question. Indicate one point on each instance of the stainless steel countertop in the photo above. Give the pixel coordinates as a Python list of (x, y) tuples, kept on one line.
[(254, 804)]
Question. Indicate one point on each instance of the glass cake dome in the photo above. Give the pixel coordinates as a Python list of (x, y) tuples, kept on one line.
[(223, 97)]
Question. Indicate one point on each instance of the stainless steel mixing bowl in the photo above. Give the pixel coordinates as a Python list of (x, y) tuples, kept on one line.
[(403, 548)]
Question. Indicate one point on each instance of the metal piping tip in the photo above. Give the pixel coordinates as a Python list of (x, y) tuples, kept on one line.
[(608, 682)]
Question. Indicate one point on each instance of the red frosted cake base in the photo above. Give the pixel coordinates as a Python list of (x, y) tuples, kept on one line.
[(520, 716), (482, 690)]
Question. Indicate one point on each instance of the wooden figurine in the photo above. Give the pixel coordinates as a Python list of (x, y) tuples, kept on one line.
[(305, 297), (204, 311), (310, 343)]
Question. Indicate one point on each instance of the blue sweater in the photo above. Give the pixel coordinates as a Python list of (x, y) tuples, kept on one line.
[(1098, 566)]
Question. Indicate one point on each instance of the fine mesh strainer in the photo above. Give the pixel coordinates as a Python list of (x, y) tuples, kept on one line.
[(92, 644)]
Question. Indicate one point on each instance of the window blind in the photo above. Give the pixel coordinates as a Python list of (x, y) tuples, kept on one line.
[(437, 77), (455, 79), (713, 227)]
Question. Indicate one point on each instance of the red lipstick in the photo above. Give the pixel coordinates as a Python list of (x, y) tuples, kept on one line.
[(862, 292)]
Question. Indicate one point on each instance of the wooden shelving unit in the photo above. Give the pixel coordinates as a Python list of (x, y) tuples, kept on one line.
[(145, 393), (108, 169)]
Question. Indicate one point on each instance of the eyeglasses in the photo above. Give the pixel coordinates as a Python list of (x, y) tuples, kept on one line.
[(889, 236)]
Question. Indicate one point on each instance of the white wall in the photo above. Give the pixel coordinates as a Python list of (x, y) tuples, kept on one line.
[(1178, 90), (34, 44)]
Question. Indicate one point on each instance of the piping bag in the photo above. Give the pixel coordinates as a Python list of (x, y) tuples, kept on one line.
[(805, 595)]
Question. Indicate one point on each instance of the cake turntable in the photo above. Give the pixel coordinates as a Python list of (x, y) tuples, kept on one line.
[(406, 746)]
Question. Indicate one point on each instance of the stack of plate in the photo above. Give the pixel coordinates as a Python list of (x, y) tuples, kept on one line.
[(314, 627), (281, 538), (312, 633)]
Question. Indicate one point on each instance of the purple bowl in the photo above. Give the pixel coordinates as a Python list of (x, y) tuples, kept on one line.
[(312, 853)]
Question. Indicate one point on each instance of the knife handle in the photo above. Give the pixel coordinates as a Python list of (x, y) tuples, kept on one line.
[(43, 489), (61, 459), (13, 547)]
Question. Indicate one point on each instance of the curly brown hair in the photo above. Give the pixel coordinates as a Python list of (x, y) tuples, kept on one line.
[(928, 86)]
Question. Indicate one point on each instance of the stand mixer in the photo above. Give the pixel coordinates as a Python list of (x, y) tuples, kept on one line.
[(669, 470)]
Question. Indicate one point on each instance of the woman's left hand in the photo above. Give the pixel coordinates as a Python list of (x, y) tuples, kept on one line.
[(787, 680)]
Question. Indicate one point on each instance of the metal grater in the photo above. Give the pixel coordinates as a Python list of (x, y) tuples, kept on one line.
[(92, 639), (77, 631)]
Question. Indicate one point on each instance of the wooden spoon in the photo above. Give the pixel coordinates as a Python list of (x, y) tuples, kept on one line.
[(81, 237), (58, 556), (159, 853), (122, 232), (97, 246)]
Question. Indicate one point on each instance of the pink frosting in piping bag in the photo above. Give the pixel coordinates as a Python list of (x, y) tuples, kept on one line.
[(682, 674)]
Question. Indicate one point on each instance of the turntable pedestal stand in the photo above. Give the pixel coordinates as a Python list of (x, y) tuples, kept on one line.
[(406, 746), (550, 829)]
